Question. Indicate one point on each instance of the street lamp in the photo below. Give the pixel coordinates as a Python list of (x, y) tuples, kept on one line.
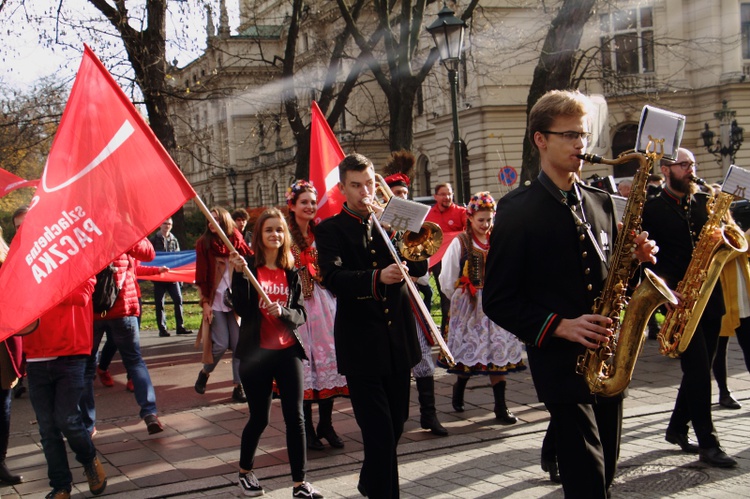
[(729, 140), (448, 33), (232, 176)]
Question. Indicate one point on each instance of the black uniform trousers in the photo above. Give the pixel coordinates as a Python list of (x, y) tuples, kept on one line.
[(694, 397), (381, 407), (587, 437)]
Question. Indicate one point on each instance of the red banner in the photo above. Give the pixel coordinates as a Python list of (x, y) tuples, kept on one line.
[(108, 182), (325, 156), (10, 182), (448, 237)]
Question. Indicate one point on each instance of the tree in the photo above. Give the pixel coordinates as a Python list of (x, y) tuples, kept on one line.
[(395, 65)]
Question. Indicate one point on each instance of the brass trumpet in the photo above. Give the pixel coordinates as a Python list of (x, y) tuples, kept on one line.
[(415, 246)]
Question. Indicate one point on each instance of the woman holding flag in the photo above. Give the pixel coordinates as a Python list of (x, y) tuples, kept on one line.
[(270, 347), (220, 328), (322, 379), (479, 346)]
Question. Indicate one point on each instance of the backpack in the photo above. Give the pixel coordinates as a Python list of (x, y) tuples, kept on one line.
[(106, 290)]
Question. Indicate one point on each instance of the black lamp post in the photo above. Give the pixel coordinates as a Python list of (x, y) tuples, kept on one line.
[(448, 33), (729, 140), (232, 176)]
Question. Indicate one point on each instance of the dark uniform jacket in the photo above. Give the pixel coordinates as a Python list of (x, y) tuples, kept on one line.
[(245, 302), (375, 330), (675, 224), (541, 268)]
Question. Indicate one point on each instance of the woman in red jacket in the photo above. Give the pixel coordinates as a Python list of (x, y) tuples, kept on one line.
[(213, 275)]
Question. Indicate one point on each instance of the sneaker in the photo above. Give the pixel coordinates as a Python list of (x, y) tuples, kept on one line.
[(94, 472), (129, 386), (58, 494), (182, 330), (305, 489), (153, 424), (105, 377), (250, 485), (164, 333), (238, 394), (200, 383)]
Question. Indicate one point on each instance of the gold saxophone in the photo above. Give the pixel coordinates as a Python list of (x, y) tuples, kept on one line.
[(609, 367), (709, 256)]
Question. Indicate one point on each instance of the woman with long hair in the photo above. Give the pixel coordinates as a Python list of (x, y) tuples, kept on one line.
[(479, 346), (322, 379), (270, 348), (213, 275)]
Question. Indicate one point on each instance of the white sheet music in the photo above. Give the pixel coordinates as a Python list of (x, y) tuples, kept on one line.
[(737, 182), (402, 214), (660, 124)]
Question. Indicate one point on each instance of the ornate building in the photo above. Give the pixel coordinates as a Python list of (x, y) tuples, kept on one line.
[(235, 143)]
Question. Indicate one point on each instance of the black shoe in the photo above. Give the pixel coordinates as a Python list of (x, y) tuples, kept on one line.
[(7, 477), (551, 467), (361, 489), (729, 402), (333, 439), (182, 330), (164, 333), (505, 417), (313, 442), (200, 383), (153, 424), (717, 458), (686, 444), (238, 394), (457, 399), (431, 423)]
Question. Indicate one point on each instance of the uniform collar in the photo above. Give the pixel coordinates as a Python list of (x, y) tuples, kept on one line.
[(672, 196), (351, 213)]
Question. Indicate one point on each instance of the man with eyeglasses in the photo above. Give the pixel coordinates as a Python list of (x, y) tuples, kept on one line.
[(164, 240), (675, 218), (547, 263)]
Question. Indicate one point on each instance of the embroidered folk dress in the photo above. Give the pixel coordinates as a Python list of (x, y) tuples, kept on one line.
[(478, 345), (321, 377)]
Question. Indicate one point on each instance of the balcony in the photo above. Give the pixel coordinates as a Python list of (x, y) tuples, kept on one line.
[(624, 84)]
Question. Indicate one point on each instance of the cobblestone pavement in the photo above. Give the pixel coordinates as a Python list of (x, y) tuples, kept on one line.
[(197, 454)]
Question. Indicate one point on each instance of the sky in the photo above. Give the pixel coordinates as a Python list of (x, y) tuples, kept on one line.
[(26, 59)]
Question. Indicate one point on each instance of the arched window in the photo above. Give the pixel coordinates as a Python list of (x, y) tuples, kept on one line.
[(624, 140), (259, 195), (275, 194), (424, 180)]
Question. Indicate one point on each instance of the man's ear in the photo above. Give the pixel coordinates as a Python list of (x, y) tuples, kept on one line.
[(341, 187), (540, 140)]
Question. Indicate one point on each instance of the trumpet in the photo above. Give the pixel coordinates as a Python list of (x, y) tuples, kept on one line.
[(414, 297)]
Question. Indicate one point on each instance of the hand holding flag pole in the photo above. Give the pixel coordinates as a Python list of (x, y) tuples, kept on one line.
[(245, 270)]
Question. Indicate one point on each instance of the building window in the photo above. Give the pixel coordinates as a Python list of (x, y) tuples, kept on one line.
[(275, 194), (628, 40), (259, 195), (745, 26)]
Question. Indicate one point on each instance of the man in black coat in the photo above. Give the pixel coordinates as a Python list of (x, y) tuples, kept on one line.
[(374, 330), (548, 259), (675, 218)]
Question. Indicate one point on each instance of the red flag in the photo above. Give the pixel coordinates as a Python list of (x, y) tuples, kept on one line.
[(325, 156), (448, 237), (108, 182), (10, 182)]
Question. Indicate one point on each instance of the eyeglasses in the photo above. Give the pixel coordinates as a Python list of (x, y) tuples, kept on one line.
[(685, 165), (571, 135)]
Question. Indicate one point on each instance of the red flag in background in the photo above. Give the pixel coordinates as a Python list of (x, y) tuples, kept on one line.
[(108, 182), (325, 156), (10, 182)]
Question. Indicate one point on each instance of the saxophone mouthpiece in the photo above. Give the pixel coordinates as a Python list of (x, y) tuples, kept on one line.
[(591, 158), (697, 180)]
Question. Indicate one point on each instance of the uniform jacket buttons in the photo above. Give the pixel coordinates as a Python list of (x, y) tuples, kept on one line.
[(589, 287), (585, 254)]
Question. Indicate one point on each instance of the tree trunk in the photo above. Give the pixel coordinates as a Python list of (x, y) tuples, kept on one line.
[(554, 71)]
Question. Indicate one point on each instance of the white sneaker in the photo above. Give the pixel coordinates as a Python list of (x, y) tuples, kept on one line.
[(249, 485)]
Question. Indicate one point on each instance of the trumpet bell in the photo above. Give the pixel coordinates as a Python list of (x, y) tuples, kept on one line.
[(418, 246)]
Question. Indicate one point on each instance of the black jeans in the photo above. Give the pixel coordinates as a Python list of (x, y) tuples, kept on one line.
[(257, 373)]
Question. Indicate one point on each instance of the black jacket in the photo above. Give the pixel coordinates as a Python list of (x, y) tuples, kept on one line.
[(245, 301), (541, 269), (375, 329)]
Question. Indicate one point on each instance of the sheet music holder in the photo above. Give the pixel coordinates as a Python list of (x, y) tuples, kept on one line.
[(402, 214)]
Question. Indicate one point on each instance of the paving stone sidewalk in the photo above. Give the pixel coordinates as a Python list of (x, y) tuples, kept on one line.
[(197, 454)]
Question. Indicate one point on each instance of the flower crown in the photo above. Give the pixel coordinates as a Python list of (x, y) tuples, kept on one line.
[(297, 188), (480, 201)]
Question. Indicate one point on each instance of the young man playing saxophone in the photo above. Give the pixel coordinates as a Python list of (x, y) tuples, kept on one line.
[(547, 263)]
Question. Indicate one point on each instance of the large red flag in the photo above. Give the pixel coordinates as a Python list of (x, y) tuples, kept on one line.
[(325, 156), (10, 182), (108, 182)]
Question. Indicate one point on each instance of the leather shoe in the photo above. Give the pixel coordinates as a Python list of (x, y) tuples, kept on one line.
[(686, 444), (729, 402), (717, 458), (551, 467), (330, 434)]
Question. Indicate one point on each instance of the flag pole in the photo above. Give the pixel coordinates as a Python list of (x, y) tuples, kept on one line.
[(245, 269)]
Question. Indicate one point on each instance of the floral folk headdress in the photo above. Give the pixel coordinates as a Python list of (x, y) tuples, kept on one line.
[(480, 201), (297, 188)]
